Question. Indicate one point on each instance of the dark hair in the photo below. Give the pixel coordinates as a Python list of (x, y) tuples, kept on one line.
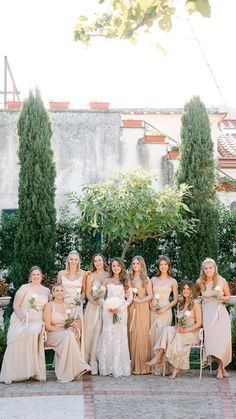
[(167, 260), (92, 266), (182, 300), (123, 275)]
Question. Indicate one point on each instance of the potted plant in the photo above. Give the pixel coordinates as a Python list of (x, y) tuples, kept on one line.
[(4, 299), (56, 106), (132, 123), (174, 152), (99, 105), (13, 104), (155, 139)]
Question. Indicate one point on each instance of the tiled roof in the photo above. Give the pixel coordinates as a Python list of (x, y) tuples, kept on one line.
[(227, 139)]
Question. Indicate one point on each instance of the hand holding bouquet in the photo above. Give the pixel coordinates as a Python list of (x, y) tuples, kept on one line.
[(32, 303), (182, 318), (156, 301), (112, 304), (98, 292), (78, 296)]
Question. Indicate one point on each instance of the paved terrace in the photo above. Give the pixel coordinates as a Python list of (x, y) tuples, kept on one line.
[(146, 397)]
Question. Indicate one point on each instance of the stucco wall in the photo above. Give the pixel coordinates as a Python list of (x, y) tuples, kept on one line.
[(88, 146)]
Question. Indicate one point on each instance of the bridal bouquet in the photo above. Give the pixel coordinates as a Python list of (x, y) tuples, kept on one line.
[(113, 303), (98, 292), (182, 318)]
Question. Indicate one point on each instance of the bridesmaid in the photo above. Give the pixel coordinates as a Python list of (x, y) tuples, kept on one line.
[(73, 280), (112, 349), (161, 308), (93, 311), (69, 363), (24, 356), (175, 341), (139, 317), (216, 320)]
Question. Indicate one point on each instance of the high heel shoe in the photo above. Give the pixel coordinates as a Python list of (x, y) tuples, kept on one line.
[(175, 374), (154, 361), (219, 374)]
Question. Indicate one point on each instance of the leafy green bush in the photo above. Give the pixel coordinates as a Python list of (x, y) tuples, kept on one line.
[(3, 338), (233, 325)]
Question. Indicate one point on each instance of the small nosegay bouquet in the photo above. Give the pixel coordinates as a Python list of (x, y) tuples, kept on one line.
[(70, 319), (156, 301), (218, 290), (32, 302), (98, 292), (77, 299), (182, 318)]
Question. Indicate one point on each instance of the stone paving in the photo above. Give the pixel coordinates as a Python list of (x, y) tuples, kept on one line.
[(145, 396)]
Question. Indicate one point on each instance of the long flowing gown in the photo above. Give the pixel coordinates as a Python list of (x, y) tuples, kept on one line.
[(112, 350), (139, 337), (177, 346), (24, 357), (216, 324), (70, 289), (93, 326), (159, 322), (69, 363)]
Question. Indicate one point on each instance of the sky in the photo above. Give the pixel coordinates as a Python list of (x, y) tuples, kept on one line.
[(37, 38)]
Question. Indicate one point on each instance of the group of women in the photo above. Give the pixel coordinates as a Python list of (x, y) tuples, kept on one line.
[(126, 326)]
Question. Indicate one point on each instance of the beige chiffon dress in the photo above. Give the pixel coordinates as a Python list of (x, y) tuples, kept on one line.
[(24, 357), (138, 332), (177, 345), (93, 326), (216, 324), (69, 363), (159, 322), (70, 292)]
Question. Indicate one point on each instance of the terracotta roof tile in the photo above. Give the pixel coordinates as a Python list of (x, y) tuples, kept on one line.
[(226, 142)]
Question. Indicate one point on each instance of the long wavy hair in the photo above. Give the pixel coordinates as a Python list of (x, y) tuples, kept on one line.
[(73, 252), (202, 277), (122, 275), (143, 271), (182, 300), (167, 260), (35, 268), (92, 266)]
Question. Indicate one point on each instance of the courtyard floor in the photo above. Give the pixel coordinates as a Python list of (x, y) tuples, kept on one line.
[(145, 396)]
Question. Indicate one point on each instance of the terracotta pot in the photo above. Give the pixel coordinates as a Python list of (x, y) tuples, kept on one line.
[(132, 123), (155, 139), (224, 187), (99, 105), (173, 154), (59, 105), (13, 104)]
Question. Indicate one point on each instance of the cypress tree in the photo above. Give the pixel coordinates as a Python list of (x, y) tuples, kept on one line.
[(36, 232), (197, 169)]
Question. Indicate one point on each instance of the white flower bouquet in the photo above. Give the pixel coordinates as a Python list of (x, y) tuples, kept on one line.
[(77, 299), (98, 292), (32, 303), (113, 303)]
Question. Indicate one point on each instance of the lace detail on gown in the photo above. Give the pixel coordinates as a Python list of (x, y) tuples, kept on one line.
[(112, 351)]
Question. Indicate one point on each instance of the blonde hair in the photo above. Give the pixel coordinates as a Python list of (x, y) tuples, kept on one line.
[(57, 284), (73, 252), (202, 277), (143, 271)]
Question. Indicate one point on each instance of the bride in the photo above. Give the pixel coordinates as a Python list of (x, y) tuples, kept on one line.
[(112, 351)]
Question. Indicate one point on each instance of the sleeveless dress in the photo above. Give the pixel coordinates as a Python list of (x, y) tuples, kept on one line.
[(112, 350), (70, 290), (24, 357), (216, 324), (139, 337), (177, 346), (93, 327), (69, 363)]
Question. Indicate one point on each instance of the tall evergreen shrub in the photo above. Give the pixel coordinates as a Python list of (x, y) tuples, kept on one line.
[(197, 169), (36, 232)]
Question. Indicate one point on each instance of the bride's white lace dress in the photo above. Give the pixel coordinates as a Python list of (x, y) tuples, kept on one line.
[(112, 350)]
